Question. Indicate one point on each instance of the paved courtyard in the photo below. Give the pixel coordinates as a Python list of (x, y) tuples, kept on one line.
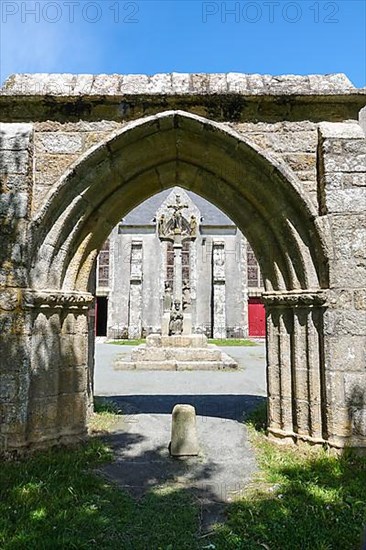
[(140, 439)]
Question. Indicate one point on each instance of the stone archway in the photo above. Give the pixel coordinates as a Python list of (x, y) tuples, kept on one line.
[(265, 200)]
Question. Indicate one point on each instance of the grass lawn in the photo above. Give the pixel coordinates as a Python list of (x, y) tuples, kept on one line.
[(301, 500), (217, 341), (135, 342), (232, 342)]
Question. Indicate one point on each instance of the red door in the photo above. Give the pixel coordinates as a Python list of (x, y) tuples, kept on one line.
[(256, 317)]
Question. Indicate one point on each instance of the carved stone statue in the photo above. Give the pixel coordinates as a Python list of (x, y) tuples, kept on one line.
[(186, 296), (193, 226), (176, 319), (177, 218), (168, 300), (161, 226)]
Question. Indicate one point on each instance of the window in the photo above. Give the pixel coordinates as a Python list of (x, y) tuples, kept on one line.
[(103, 266), (255, 279)]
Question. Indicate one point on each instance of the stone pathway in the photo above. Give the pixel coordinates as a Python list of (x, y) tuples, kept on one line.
[(140, 439)]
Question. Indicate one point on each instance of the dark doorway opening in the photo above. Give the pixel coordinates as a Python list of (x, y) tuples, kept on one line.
[(101, 316)]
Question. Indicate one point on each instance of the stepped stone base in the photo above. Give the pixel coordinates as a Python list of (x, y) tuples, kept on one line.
[(190, 352)]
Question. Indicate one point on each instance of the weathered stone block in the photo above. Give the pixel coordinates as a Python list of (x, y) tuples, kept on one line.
[(301, 161), (57, 142), (237, 83), (349, 236), (54, 165), (340, 299), (16, 162), (74, 350), (160, 84), (345, 162), (133, 83), (9, 299), (13, 205), (347, 200), (15, 136), (42, 415), (330, 83), (83, 84), (106, 84), (360, 299), (181, 83), (217, 83), (44, 382), (338, 322), (342, 180), (355, 389), (349, 268), (9, 387), (341, 130), (345, 353), (72, 412), (73, 379), (193, 340), (184, 441)]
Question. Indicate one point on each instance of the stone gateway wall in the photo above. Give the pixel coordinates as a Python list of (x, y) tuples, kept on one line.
[(284, 157)]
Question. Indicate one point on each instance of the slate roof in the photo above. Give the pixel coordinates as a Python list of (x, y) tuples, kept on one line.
[(145, 212)]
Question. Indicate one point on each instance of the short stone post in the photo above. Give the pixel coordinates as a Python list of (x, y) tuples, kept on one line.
[(184, 440)]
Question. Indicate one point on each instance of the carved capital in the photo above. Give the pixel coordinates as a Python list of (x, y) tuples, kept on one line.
[(293, 299), (56, 299)]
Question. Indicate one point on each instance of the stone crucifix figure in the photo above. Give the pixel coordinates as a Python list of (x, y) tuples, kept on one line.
[(177, 217)]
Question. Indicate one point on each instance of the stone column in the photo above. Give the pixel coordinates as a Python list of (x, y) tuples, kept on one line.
[(16, 180), (218, 291), (295, 365), (273, 369), (53, 395), (177, 282), (135, 302)]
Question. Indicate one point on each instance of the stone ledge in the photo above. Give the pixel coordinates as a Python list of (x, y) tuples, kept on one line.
[(175, 365), (341, 130), (43, 299), (189, 341), (294, 298), (42, 84)]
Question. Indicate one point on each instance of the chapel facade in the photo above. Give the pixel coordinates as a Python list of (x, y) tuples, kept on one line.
[(136, 282)]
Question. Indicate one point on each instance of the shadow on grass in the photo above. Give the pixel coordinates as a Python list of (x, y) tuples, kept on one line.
[(55, 500), (303, 499)]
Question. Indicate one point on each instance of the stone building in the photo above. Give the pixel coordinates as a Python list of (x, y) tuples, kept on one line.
[(221, 274), (283, 156)]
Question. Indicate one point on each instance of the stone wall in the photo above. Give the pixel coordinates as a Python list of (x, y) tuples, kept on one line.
[(77, 152), (342, 192)]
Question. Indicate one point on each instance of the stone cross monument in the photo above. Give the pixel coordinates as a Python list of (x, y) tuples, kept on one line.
[(177, 347), (176, 229)]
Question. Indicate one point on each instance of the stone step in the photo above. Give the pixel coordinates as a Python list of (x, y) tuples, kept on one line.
[(189, 341), (175, 365), (143, 353)]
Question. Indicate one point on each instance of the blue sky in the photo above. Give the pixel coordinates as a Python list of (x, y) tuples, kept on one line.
[(148, 36)]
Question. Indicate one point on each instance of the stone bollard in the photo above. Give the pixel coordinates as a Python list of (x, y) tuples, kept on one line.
[(184, 440)]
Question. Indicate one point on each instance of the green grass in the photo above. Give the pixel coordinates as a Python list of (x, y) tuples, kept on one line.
[(54, 500), (301, 500), (232, 342), (135, 342), (217, 341)]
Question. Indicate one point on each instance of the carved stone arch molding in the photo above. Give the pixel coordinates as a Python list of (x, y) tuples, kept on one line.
[(308, 297)]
